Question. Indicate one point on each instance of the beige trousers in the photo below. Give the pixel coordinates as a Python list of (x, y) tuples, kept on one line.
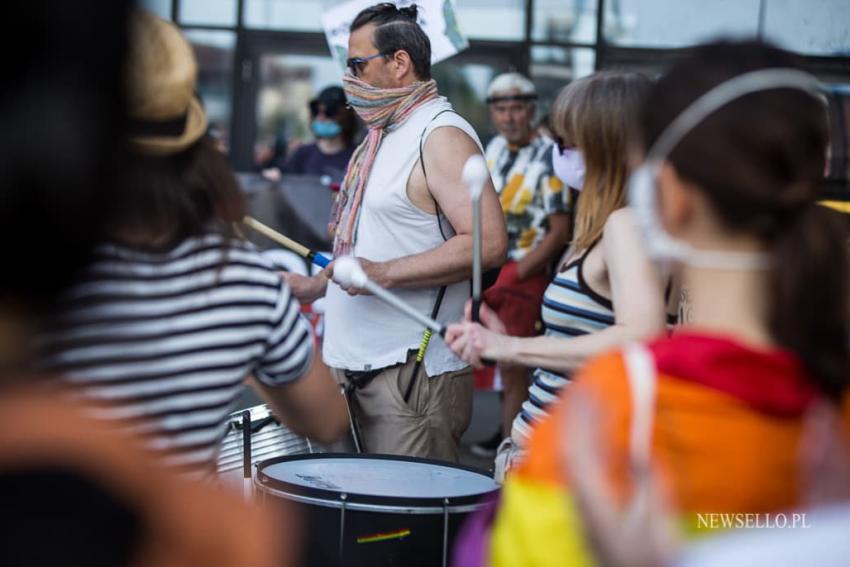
[(429, 425)]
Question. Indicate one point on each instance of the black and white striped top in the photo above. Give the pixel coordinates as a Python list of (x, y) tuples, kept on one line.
[(164, 341), (570, 309)]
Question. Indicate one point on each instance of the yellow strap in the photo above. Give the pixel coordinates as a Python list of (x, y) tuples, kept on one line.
[(423, 346), (840, 206)]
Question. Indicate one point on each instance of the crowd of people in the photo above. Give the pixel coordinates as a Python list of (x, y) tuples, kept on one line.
[(625, 429)]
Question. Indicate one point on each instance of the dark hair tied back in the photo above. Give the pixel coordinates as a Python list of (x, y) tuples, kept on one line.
[(760, 162), (411, 11), (396, 29)]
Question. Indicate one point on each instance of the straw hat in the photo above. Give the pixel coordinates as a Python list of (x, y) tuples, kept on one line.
[(166, 116)]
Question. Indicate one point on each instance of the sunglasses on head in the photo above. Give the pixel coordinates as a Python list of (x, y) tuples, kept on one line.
[(356, 64)]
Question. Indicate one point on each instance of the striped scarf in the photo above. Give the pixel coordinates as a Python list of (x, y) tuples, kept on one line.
[(382, 110)]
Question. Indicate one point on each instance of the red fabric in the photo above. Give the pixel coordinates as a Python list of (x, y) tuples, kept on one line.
[(484, 378), (517, 302), (316, 320), (518, 305), (772, 381)]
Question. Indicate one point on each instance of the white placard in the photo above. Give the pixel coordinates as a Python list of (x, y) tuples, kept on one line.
[(437, 18)]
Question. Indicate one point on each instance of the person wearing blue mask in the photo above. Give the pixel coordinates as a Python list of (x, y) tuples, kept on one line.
[(334, 126)]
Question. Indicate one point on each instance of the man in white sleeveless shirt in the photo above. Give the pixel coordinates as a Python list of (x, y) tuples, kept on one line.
[(404, 212)]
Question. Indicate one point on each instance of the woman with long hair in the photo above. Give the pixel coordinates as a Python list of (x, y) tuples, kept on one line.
[(606, 292), (734, 140), (175, 312)]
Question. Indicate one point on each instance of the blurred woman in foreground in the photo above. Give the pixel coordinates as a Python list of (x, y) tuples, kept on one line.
[(734, 140)]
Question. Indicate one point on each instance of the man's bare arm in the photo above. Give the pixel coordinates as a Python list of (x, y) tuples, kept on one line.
[(446, 151)]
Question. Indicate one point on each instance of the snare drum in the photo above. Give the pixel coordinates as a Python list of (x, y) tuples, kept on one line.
[(376, 510), (269, 439)]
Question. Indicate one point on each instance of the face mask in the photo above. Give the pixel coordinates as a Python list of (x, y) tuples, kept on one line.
[(661, 246), (643, 187), (326, 128), (569, 166)]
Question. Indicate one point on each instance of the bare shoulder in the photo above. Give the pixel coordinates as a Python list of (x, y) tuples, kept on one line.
[(621, 235), (451, 140), (621, 224)]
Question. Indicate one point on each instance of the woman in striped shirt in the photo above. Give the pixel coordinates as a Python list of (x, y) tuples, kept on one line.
[(161, 331), (606, 292)]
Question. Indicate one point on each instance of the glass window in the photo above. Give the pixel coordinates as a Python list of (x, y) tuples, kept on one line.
[(465, 85), (161, 8), (818, 27), (300, 15), (214, 51), (287, 83), (564, 20), (491, 19), (676, 23), (208, 12), (553, 67), (838, 169)]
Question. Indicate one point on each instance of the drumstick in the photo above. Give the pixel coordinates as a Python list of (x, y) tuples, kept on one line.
[(300, 249), (474, 175), (347, 273)]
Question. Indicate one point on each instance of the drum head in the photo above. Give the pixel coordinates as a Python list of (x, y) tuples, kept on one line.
[(376, 479)]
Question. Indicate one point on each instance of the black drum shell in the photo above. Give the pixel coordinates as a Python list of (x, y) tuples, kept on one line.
[(320, 511)]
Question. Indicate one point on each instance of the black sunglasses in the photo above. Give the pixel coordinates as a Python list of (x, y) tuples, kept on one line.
[(329, 110), (356, 64), (562, 145)]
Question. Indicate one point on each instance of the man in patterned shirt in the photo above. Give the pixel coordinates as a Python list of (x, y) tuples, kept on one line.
[(536, 206)]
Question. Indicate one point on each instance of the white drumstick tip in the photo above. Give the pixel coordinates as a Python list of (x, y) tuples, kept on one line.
[(474, 175), (347, 272)]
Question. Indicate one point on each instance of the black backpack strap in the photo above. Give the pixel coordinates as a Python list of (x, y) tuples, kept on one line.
[(442, 291), (422, 165), (489, 277), (426, 338), (422, 140)]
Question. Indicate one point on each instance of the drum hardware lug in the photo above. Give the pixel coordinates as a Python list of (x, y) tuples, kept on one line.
[(445, 532), (344, 498)]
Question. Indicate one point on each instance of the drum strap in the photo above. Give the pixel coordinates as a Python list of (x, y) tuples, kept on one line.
[(426, 337), (360, 379), (643, 379), (348, 393)]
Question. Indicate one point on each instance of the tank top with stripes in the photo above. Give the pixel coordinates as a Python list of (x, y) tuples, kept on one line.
[(570, 309)]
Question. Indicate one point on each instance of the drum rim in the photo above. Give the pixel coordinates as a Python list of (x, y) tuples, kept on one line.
[(334, 498)]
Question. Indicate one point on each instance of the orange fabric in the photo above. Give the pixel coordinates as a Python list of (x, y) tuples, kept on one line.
[(718, 453), (542, 462), (507, 194)]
